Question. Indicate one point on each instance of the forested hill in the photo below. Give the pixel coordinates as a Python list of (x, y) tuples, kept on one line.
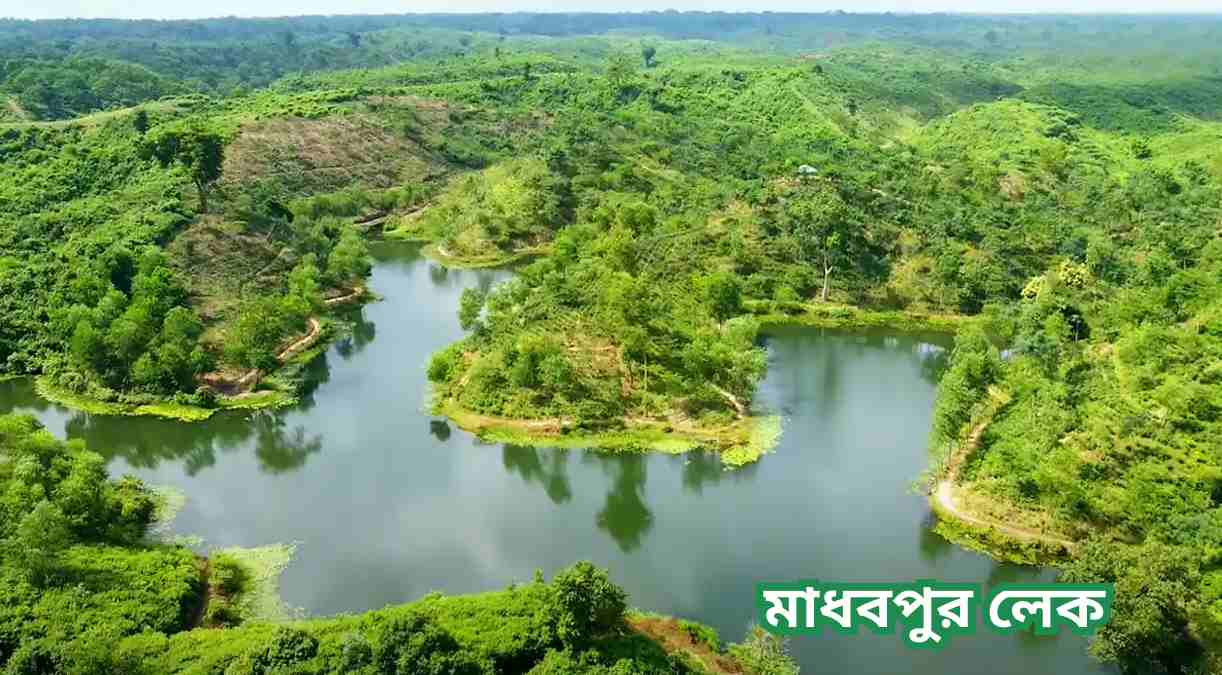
[(117, 63), (179, 212)]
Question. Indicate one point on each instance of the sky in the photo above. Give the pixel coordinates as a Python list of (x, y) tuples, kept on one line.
[(183, 9)]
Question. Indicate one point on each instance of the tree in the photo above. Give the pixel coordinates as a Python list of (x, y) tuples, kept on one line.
[(414, 644), (40, 540), (199, 149), (587, 604), (648, 51), (255, 336), (725, 295), (140, 121), (827, 233), (621, 74), (86, 346), (1155, 582), (349, 260), (469, 307)]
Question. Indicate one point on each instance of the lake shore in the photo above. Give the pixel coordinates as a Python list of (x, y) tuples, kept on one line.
[(739, 442)]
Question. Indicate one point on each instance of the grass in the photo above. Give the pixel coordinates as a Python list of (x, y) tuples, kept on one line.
[(435, 252), (741, 442), (256, 400), (993, 543), (829, 315), (56, 394)]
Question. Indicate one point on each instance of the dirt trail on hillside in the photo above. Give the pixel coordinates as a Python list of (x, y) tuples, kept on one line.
[(244, 383), (944, 493)]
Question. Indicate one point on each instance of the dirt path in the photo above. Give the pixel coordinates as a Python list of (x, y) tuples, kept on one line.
[(674, 639), (247, 381), (314, 328), (357, 292), (945, 494)]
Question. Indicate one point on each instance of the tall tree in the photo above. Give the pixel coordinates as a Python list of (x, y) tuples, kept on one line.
[(40, 539), (198, 148), (829, 234)]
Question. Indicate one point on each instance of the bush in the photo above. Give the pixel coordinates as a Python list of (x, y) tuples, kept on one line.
[(413, 644), (445, 363), (228, 575), (288, 647), (587, 604)]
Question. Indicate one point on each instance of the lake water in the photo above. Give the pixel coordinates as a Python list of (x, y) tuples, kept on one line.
[(386, 502)]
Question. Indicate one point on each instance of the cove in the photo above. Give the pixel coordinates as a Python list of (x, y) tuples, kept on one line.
[(386, 502)]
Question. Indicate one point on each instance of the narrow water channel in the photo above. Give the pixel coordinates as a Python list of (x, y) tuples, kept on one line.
[(386, 502)]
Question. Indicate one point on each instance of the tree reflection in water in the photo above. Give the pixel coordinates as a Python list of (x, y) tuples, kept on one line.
[(440, 429), (704, 467), (279, 449), (625, 516), (552, 476), (362, 332)]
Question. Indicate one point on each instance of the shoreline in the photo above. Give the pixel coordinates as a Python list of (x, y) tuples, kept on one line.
[(436, 252), (298, 353), (982, 532), (738, 443), (828, 315)]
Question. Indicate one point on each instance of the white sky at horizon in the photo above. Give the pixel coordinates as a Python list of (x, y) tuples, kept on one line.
[(161, 9)]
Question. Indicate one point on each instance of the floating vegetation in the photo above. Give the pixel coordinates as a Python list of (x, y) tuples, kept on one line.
[(260, 599)]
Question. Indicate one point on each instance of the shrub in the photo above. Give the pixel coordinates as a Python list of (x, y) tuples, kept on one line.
[(228, 575), (413, 644), (587, 604)]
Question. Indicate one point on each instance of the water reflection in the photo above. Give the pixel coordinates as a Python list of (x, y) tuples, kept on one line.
[(363, 331), (549, 472), (933, 546), (280, 449), (624, 516), (316, 373), (439, 429)]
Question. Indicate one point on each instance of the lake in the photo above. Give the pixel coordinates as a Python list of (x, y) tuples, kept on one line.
[(386, 502)]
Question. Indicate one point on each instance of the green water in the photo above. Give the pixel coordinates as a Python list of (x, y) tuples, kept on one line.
[(387, 503)]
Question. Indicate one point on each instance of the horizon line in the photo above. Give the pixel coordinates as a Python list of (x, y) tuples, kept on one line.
[(748, 12)]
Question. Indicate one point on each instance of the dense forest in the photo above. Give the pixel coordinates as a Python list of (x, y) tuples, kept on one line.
[(181, 201)]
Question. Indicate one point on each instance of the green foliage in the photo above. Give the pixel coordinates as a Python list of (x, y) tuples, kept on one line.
[(1052, 173), (517, 630), (725, 295), (470, 305), (510, 205), (39, 542), (1149, 628), (349, 258), (59, 89), (228, 575), (763, 653), (198, 149), (74, 577), (587, 604), (974, 365), (409, 644)]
